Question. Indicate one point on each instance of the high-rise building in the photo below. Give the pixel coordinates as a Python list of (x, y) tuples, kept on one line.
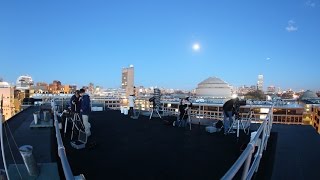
[(260, 82), (128, 80), (7, 100)]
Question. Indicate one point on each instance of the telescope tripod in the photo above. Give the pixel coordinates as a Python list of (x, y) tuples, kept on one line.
[(238, 122), (157, 111), (188, 120)]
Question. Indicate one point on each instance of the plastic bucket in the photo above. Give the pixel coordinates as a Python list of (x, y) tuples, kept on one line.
[(125, 111)]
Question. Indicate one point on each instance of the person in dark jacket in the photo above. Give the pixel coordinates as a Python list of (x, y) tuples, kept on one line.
[(75, 102), (85, 110), (228, 108)]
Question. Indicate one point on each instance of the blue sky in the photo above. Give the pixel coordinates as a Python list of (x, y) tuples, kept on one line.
[(90, 41)]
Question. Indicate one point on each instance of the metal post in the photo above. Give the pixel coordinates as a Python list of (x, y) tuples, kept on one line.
[(28, 159), (246, 166)]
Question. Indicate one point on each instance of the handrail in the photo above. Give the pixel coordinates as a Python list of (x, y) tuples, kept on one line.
[(61, 150), (2, 147), (245, 157)]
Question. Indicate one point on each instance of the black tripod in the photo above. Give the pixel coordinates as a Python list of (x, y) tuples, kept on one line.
[(155, 108), (188, 120)]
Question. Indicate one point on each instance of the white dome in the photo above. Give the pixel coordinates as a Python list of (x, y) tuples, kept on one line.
[(4, 84), (308, 95), (213, 87)]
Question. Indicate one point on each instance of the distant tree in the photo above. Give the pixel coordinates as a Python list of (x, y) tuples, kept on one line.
[(255, 95), (288, 95), (178, 92)]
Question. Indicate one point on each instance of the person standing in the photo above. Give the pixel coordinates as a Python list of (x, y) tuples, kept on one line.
[(85, 110), (132, 99), (75, 102), (184, 106)]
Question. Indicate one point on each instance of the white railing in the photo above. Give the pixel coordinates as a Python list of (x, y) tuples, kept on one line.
[(2, 147), (246, 156), (61, 150)]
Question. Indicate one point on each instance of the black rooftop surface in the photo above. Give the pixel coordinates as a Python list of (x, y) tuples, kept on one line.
[(41, 139), (297, 153), (148, 149)]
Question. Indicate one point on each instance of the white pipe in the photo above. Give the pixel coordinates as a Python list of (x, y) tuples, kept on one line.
[(2, 148)]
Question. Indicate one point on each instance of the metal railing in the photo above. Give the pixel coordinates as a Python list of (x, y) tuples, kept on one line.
[(2, 147), (246, 156), (61, 150)]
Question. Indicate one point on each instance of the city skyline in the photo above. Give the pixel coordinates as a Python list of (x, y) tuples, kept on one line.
[(79, 42)]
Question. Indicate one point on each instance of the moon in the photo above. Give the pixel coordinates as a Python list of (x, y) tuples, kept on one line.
[(196, 46)]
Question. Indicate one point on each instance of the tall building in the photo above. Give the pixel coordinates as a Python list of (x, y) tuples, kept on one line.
[(260, 82), (128, 80), (6, 97)]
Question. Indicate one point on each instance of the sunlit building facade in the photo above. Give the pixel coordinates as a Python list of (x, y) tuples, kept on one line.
[(128, 80), (7, 99)]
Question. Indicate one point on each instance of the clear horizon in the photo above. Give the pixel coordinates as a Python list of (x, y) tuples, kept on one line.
[(171, 44)]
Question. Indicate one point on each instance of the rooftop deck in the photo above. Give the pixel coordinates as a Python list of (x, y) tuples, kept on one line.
[(148, 149)]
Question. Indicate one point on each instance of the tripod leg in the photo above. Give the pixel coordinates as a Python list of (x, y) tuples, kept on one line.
[(238, 126), (231, 126), (151, 114), (72, 129), (79, 119), (158, 113), (65, 126)]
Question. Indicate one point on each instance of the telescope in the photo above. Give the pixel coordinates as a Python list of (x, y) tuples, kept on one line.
[(242, 102), (152, 99)]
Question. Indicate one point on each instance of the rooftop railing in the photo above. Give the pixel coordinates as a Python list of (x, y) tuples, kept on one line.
[(245, 158), (61, 150)]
